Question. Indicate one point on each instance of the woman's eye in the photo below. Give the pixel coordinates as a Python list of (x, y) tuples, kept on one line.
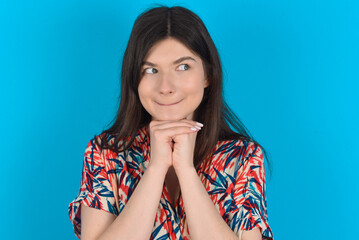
[(183, 67), (151, 70)]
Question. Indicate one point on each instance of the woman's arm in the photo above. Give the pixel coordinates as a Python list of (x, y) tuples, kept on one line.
[(204, 221), (253, 234), (138, 216)]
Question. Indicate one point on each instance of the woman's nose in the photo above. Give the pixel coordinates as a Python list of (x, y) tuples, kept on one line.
[(166, 85)]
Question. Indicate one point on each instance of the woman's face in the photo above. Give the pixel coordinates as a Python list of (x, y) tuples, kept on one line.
[(172, 82)]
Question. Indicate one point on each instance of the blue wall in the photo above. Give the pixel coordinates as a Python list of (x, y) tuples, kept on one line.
[(291, 74)]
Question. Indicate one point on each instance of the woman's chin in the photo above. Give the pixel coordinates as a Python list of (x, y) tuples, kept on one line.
[(171, 118), (167, 119)]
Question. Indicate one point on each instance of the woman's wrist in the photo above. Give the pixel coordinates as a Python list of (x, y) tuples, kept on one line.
[(160, 169), (185, 171)]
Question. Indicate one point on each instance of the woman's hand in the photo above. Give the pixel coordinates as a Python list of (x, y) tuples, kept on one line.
[(183, 148), (172, 143)]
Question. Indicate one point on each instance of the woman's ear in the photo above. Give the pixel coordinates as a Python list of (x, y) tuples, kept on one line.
[(206, 83)]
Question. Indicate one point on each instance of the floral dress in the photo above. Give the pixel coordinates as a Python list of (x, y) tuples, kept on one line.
[(234, 178)]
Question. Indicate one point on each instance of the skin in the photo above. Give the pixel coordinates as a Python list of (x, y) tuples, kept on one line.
[(171, 73)]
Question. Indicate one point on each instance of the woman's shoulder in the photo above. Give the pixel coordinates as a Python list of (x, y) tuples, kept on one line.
[(105, 139), (236, 151), (236, 145)]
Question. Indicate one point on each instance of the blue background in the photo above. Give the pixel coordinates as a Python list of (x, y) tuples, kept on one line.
[(290, 73)]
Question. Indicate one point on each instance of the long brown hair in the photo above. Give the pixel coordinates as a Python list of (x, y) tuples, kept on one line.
[(182, 24)]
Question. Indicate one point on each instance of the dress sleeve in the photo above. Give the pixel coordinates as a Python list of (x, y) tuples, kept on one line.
[(249, 206), (95, 190)]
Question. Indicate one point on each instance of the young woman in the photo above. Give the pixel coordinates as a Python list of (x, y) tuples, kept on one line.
[(170, 166)]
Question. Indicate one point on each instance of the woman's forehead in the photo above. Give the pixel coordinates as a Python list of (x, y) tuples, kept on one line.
[(170, 50)]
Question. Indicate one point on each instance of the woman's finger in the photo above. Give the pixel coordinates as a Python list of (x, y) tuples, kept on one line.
[(170, 133), (170, 124)]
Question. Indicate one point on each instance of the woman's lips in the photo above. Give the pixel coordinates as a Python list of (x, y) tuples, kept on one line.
[(171, 104)]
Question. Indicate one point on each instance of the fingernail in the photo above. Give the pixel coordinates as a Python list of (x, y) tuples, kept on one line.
[(193, 129), (197, 127), (199, 124)]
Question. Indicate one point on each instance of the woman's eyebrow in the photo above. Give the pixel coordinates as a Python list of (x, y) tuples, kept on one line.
[(175, 62), (183, 59)]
